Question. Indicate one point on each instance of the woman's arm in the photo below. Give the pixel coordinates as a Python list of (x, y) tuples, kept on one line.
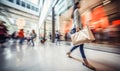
[(77, 20)]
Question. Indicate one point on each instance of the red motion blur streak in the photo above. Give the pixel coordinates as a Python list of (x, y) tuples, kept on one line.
[(116, 22), (98, 18)]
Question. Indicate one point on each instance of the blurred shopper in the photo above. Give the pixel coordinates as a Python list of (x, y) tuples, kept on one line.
[(57, 37), (76, 27), (33, 36), (50, 36), (3, 32), (66, 36), (14, 36), (21, 36), (27, 36)]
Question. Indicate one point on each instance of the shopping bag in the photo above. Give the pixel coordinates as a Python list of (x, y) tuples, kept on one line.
[(91, 37), (83, 36)]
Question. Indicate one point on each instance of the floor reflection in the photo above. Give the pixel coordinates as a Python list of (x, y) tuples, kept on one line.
[(51, 57)]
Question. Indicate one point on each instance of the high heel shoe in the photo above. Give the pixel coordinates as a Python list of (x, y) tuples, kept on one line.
[(68, 53), (90, 67)]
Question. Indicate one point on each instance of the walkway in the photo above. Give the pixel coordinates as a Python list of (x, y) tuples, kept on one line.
[(51, 57)]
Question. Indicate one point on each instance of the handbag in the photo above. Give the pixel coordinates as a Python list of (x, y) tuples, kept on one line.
[(83, 36)]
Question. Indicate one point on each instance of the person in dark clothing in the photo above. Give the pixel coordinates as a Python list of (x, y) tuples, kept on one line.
[(14, 35), (57, 37), (3, 32), (50, 36)]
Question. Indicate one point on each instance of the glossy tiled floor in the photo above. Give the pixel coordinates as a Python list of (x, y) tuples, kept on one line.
[(52, 57)]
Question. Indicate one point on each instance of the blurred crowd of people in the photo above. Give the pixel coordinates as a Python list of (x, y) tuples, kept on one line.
[(20, 35)]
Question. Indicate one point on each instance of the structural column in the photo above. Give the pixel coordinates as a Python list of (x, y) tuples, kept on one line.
[(58, 22), (44, 30), (53, 25)]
